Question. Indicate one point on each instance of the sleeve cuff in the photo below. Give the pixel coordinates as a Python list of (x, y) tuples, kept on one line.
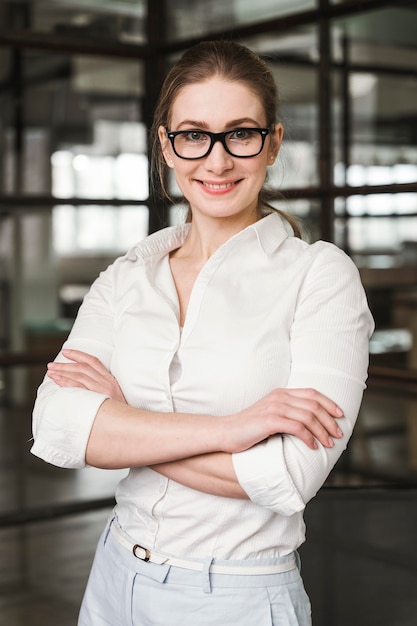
[(262, 473), (64, 430)]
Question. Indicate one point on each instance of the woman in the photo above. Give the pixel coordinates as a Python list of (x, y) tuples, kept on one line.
[(223, 360)]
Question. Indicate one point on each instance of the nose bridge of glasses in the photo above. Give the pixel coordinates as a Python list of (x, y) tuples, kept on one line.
[(219, 138)]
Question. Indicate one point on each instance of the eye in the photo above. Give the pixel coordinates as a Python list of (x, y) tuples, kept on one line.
[(242, 134), (194, 136)]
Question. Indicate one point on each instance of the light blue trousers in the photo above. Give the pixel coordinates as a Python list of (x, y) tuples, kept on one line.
[(125, 591)]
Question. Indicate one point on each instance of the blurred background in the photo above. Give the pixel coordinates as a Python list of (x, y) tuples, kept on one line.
[(78, 84)]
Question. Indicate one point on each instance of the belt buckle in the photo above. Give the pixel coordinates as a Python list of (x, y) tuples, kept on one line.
[(147, 556)]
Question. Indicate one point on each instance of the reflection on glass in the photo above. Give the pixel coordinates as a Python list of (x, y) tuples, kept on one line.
[(382, 204), (295, 166), (123, 20), (87, 176), (97, 229), (84, 173), (385, 37), (383, 445), (103, 75), (307, 212), (393, 239), (188, 19), (298, 44), (34, 173), (383, 114), (267, 9), (379, 140)]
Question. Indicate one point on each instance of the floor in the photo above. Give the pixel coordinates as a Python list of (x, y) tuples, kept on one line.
[(361, 527), (44, 565), (44, 570)]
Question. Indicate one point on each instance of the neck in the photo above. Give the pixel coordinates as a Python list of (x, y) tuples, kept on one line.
[(208, 234)]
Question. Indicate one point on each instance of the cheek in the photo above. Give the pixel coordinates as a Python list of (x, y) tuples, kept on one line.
[(260, 172), (183, 172)]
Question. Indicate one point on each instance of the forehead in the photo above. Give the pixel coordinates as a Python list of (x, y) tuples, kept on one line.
[(216, 102)]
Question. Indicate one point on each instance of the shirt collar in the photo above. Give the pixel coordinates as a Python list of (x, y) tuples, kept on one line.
[(270, 232), (160, 242)]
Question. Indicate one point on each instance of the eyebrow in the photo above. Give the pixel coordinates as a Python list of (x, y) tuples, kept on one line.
[(231, 124)]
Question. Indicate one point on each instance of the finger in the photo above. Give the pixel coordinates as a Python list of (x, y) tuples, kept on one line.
[(316, 417), (312, 394), (300, 421), (84, 382), (65, 381), (81, 375), (316, 406), (329, 422), (310, 415), (297, 429), (80, 357), (71, 371), (77, 370)]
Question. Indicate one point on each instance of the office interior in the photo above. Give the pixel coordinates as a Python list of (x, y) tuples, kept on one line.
[(78, 84)]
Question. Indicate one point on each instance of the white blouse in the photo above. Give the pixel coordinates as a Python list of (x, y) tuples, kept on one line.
[(267, 310)]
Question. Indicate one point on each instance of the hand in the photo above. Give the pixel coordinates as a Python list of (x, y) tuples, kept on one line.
[(304, 413), (87, 372)]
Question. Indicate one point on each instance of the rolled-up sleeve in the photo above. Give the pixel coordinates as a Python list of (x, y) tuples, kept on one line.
[(62, 426), (329, 343), (62, 416)]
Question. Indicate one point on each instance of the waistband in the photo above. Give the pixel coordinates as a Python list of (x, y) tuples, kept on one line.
[(151, 556)]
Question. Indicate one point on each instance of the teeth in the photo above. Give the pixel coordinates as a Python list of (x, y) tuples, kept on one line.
[(212, 186)]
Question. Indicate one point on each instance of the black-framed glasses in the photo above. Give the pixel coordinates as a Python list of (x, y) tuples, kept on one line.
[(197, 144)]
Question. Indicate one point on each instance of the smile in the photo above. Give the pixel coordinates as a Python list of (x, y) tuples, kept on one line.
[(218, 186)]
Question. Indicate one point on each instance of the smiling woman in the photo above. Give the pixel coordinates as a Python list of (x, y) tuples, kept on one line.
[(220, 154), (223, 361)]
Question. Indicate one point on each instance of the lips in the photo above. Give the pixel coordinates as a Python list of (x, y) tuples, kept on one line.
[(218, 186)]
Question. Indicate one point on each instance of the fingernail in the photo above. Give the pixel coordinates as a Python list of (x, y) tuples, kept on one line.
[(331, 442), (339, 432), (339, 411)]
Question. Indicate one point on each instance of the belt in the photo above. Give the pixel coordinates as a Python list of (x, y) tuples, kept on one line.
[(144, 554)]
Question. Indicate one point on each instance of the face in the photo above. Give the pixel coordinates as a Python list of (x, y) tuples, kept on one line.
[(220, 185)]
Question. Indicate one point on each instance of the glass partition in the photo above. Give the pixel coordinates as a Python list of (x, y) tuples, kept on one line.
[(374, 60), (190, 19), (121, 21)]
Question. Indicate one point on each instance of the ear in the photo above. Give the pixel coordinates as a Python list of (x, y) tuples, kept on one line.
[(275, 143), (166, 146)]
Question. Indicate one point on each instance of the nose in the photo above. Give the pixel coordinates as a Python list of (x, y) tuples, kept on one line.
[(218, 160)]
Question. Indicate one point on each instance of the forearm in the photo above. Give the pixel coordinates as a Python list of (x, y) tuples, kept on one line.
[(210, 473), (123, 436)]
